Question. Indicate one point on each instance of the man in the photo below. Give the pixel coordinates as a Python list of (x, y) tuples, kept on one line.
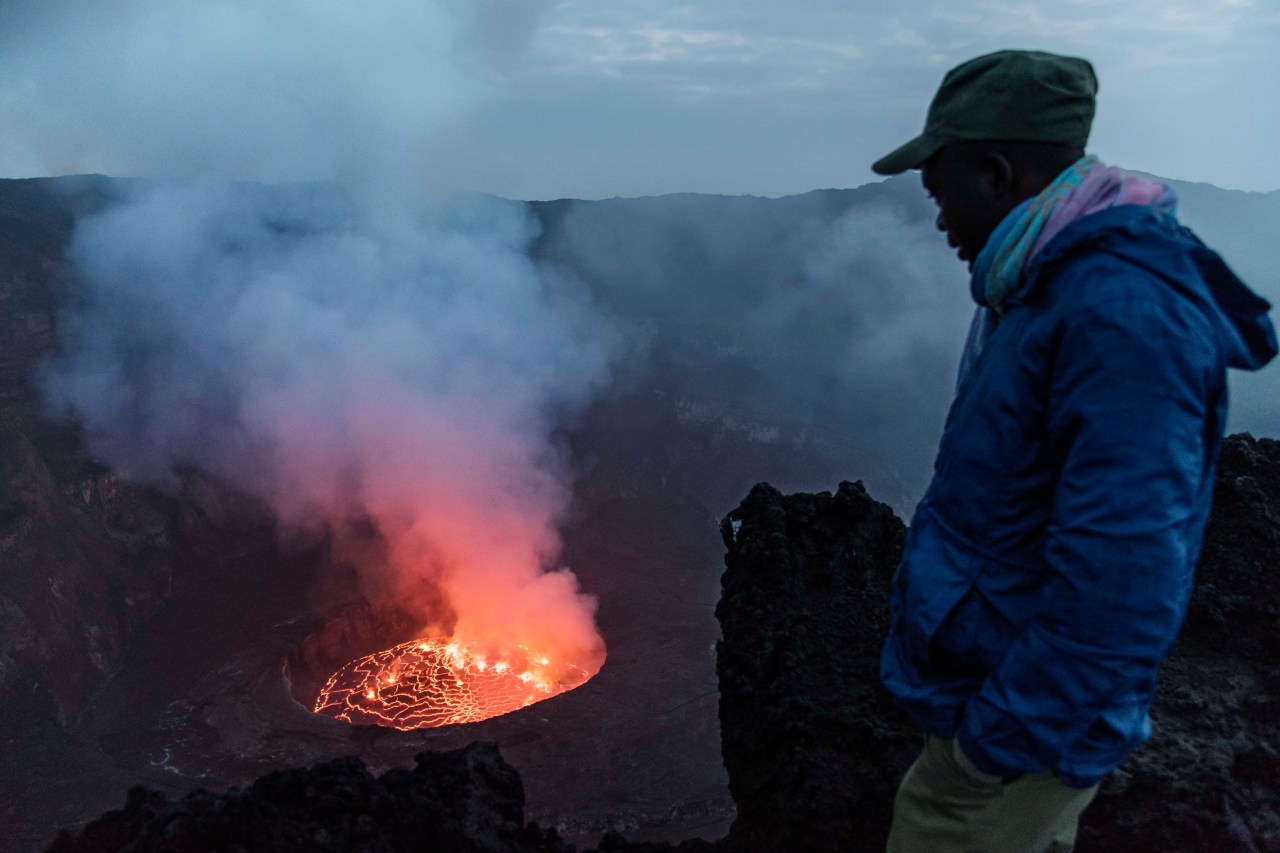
[(1048, 566)]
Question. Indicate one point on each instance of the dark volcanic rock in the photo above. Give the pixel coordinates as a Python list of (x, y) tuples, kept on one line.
[(814, 748), (1238, 579), (812, 742), (465, 800)]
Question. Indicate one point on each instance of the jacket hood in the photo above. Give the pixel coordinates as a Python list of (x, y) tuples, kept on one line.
[(1156, 242)]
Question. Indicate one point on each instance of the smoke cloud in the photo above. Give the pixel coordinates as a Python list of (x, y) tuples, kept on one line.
[(829, 323), (353, 350), (349, 351)]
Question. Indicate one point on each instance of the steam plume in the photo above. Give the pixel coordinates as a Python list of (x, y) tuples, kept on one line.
[(346, 350)]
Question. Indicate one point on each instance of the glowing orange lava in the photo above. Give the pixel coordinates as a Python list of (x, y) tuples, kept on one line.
[(436, 682)]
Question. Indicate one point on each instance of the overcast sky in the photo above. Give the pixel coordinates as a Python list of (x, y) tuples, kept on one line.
[(595, 98)]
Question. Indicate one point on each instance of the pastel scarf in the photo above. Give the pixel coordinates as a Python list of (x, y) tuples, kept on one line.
[(1086, 186)]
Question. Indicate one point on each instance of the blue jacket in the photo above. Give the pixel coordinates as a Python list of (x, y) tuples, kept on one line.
[(1048, 567)]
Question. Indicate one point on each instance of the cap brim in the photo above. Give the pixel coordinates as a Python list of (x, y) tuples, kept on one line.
[(909, 156)]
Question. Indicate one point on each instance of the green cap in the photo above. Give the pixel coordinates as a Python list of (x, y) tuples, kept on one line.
[(1010, 96)]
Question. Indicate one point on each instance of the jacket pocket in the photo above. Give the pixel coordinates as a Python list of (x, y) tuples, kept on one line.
[(1115, 733), (953, 647), (960, 607), (934, 579)]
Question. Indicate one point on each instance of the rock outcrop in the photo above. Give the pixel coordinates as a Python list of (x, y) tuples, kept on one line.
[(812, 743), (1236, 603)]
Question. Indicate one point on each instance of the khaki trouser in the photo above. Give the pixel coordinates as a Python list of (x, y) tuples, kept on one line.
[(946, 805)]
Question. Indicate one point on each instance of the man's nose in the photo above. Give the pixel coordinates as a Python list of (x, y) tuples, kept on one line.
[(939, 223)]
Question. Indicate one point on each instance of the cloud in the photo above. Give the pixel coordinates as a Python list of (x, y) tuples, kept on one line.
[(839, 330), (774, 99)]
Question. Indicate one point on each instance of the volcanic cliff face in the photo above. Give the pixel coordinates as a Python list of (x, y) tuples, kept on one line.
[(86, 559), (87, 556), (67, 527)]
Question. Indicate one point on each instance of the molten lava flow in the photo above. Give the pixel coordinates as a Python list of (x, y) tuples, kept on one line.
[(435, 682)]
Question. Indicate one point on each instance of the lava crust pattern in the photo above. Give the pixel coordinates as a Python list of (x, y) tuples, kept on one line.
[(435, 682)]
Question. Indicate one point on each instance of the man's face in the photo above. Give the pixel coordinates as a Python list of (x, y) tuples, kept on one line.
[(968, 208)]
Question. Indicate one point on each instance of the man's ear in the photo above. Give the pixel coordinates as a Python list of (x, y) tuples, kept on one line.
[(998, 176)]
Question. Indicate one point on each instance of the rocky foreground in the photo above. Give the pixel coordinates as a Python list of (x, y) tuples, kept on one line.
[(812, 744)]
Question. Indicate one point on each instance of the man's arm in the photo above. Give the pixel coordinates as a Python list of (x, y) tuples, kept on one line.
[(1130, 412)]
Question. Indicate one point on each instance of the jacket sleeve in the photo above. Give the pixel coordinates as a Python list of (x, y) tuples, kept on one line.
[(1131, 413)]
